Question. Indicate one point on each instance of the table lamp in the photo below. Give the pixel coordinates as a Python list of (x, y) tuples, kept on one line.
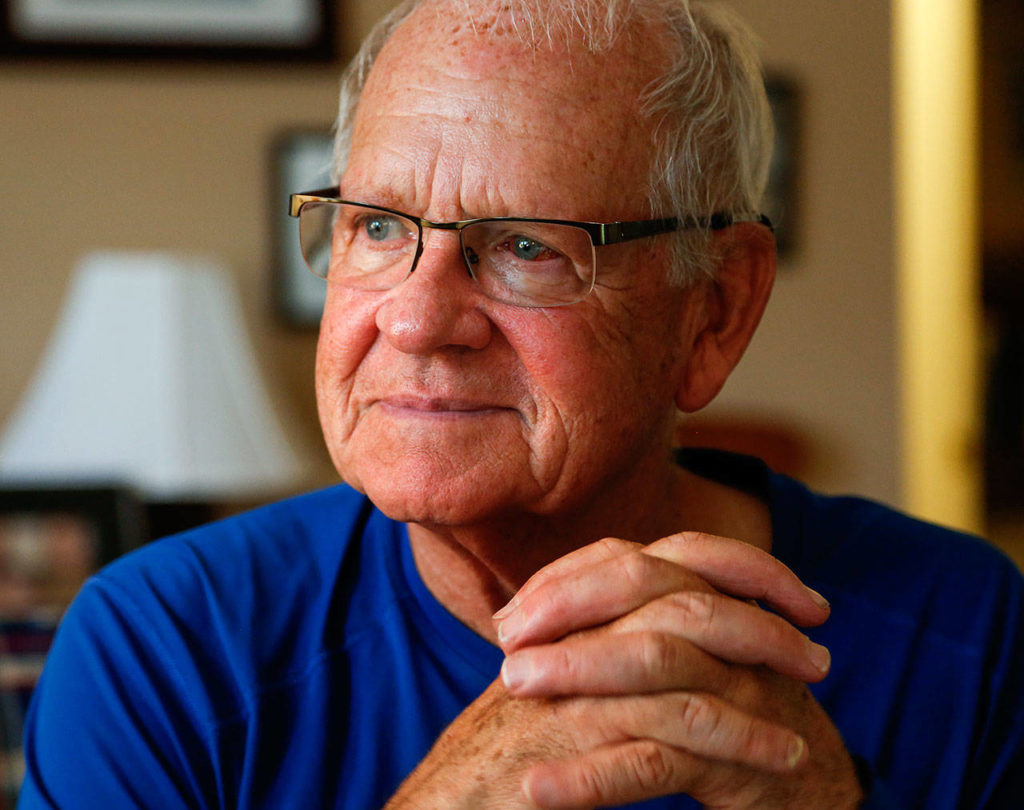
[(149, 382)]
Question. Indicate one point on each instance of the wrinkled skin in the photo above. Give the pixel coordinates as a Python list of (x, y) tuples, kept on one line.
[(510, 439)]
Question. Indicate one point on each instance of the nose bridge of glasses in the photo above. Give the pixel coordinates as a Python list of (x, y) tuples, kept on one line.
[(458, 226)]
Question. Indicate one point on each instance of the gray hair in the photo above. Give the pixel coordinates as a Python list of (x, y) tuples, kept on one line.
[(713, 134)]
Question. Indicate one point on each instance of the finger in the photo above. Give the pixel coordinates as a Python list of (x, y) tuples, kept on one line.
[(702, 724), (676, 642), (605, 664), (745, 571), (685, 735), (592, 595), (624, 577), (614, 775), (604, 549), (733, 631)]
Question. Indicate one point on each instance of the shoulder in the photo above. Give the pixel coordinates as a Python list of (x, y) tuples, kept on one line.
[(240, 602), (292, 543), (166, 658), (927, 641), (894, 563)]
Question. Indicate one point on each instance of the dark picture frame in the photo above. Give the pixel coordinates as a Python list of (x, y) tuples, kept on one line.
[(781, 198), (51, 541), (198, 29), (301, 161)]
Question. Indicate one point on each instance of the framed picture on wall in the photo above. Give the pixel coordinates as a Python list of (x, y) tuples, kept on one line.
[(51, 541), (286, 29), (780, 199), (302, 161)]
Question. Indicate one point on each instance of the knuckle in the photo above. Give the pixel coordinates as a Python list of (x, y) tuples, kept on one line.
[(593, 781), (567, 665), (659, 654), (636, 567), (698, 537), (747, 740), (613, 546), (649, 764), (696, 609), (686, 539), (698, 716)]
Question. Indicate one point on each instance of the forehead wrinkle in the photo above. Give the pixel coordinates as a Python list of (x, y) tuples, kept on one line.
[(522, 125), (478, 55)]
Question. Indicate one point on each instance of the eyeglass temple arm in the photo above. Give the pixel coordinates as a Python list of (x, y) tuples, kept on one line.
[(615, 232), (717, 222), (296, 201)]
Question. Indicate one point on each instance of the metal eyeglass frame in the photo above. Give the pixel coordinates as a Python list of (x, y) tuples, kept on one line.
[(601, 233)]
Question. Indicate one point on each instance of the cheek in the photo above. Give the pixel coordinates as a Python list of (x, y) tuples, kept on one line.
[(581, 381), (590, 367), (347, 333), (609, 374)]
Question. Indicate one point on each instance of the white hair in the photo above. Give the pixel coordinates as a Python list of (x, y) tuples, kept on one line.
[(713, 127)]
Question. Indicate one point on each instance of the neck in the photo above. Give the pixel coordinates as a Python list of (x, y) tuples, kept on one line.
[(474, 570)]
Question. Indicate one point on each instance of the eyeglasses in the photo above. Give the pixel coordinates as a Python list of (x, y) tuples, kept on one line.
[(515, 260)]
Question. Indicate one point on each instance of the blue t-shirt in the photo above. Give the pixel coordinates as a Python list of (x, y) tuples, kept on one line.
[(292, 657)]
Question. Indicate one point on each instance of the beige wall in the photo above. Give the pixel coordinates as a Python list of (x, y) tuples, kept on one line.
[(176, 156), (825, 358)]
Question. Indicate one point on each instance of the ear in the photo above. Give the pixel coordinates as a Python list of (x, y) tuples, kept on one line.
[(726, 310)]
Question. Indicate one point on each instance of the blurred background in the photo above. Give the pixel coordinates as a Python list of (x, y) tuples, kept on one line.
[(889, 362), (146, 154)]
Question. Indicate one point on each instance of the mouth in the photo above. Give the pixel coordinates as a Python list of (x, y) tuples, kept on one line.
[(440, 407)]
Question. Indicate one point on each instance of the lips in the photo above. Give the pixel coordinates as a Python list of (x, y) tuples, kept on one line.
[(439, 405)]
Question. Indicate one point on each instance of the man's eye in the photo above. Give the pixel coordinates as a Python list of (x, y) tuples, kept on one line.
[(522, 247), (381, 228)]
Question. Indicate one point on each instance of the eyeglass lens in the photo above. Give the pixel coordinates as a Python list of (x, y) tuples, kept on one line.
[(520, 262)]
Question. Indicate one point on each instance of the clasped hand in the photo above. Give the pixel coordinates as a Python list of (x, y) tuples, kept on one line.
[(640, 671)]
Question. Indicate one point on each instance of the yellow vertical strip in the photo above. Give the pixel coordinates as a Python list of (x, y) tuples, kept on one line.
[(936, 92)]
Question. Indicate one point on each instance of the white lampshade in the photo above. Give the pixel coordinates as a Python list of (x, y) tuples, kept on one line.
[(149, 381)]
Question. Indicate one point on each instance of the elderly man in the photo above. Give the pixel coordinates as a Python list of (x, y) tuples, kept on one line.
[(544, 245)]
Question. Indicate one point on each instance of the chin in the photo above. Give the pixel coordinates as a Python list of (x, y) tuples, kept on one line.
[(454, 476), (430, 509), (431, 498)]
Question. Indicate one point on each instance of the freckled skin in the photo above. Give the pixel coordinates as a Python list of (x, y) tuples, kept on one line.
[(507, 437), (570, 406)]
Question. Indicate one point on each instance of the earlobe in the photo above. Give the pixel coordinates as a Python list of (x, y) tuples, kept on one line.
[(731, 308)]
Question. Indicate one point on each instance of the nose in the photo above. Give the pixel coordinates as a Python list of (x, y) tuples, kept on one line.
[(438, 305)]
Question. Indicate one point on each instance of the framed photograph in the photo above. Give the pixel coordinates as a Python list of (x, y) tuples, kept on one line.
[(51, 540), (286, 29), (24, 644), (302, 162), (780, 200)]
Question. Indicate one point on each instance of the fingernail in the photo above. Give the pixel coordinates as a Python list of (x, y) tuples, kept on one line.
[(510, 627), (512, 605), (795, 752), (515, 671), (820, 600), (820, 656)]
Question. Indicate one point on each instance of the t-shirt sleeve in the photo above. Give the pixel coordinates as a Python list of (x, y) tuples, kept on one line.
[(111, 724)]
